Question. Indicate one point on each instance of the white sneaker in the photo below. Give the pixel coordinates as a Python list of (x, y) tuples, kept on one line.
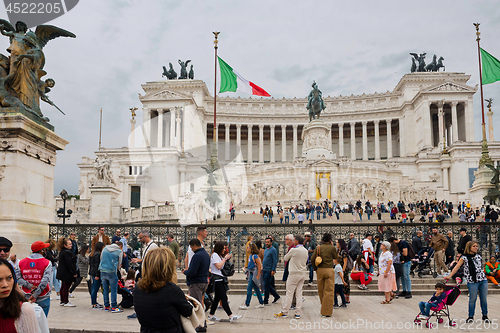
[(209, 322), (213, 318), (259, 306), (71, 296), (244, 307), (310, 284), (58, 297), (423, 317), (234, 317), (69, 305)]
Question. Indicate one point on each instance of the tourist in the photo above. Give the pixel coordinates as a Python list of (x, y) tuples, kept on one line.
[(83, 268), (387, 276), (353, 246), (368, 251), (476, 280), (310, 246), (174, 246), (376, 244), (34, 276), (270, 214), (292, 211), (398, 268), (459, 275), (464, 239), (404, 248), (66, 271), (492, 270), (158, 301), (261, 257), (360, 272), (197, 274), (269, 263), (100, 237), (248, 249), (344, 259), (340, 283), (286, 214), (74, 244), (111, 261), (281, 216), (300, 218), (439, 243), (318, 211), (116, 237), (217, 262), (201, 235), (450, 249), (254, 269), (14, 261), (416, 242), (95, 275), (325, 273), (51, 255), (436, 299), (16, 315)]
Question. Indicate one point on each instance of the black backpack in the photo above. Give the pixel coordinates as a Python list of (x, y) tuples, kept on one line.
[(411, 252), (228, 269)]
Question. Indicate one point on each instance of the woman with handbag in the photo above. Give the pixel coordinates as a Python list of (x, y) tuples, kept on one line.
[(219, 281), (254, 269), (322, 261)]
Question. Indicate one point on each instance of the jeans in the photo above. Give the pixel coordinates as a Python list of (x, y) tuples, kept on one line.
[(360, 217), (268, 288), (96, 284), (405, 278), (311, 273), (369, 214), (270, 219), (339, 289), (54, 282), (281, 220), (287, 219), (45, 305), (307, 216), (480, 288), (337, 213), (293, 216), (425, 308), (110, 284), (318, 215), (251, 285)]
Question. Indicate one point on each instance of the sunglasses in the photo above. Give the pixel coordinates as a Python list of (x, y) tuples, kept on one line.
[(5, 250)]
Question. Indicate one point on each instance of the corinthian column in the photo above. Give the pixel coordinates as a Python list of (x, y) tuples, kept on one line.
[(377, 140), (159, 140), (273, 158), (402, 146), (238, 143), (341, 139), (295, 148), (353, 140), (454, 122), (441, 126), (172, 129), (261, 143), (249, 153), (365, 141), (178, 130), (389, 138), (227, 141), (283, 143)]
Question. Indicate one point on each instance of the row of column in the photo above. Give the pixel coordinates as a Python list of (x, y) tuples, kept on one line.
[(295, 140), (175, 127)]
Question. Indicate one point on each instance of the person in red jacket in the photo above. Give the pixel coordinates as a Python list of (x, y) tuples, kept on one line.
[(34, 276)]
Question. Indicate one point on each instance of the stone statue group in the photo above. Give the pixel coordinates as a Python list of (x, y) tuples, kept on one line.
[(418, 63), (21, 73), (171, 74)]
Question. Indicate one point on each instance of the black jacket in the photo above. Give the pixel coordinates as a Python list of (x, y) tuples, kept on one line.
[(461, 244), (52, 256), (450, 250), (416, 244), (160, 311), (94, 262), (67, 266)]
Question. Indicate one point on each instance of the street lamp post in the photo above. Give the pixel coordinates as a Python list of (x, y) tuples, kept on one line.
[(61, 212)]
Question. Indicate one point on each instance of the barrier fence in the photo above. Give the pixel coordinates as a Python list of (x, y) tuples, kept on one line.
[(487, 234)]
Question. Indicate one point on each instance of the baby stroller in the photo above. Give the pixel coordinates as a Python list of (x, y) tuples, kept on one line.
[(127, 297), (422, 263), (442, 311)]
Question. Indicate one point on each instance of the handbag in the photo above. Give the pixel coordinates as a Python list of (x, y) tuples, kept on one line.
[(228, 269), (318, 259)]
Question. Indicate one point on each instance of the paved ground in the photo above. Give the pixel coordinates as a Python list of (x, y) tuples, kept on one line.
[(364, 314)]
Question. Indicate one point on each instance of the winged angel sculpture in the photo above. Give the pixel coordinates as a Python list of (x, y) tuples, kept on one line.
[(20, 73)]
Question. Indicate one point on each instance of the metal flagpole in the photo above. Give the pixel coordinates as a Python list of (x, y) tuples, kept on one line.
[(485, 155), (100, 129), (214, 163)]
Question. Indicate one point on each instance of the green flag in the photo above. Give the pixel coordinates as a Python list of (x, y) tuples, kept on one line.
[(228, 80), (491, 68)]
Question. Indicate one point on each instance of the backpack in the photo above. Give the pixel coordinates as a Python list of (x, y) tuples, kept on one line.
[(350, 264), (411, 252), (228, 269)]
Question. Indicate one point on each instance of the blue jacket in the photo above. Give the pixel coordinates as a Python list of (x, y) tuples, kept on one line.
[(198, 267), (111, 259), (270, 259)]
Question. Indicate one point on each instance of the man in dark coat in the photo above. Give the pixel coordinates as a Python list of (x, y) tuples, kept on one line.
[(464, 238), (450, 250)]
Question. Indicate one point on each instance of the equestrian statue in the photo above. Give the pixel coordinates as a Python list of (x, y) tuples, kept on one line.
[(315, 104)]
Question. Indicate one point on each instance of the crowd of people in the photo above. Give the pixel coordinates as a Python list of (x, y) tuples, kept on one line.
[(149, 281)]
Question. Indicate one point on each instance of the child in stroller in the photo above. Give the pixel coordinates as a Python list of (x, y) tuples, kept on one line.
[(439, 304), (459, 275), (422, 262)]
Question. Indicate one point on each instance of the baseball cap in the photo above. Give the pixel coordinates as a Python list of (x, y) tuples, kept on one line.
[(307, 233), (5, 242), (38, 245)]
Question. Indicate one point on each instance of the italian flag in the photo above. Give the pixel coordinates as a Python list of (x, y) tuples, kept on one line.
[(230, 80)]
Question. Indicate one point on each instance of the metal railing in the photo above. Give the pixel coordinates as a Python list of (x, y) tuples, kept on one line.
[(487, 234)]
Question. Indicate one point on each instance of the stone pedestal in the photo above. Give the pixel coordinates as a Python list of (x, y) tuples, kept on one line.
[(27, 158), (481, 185), (316, 138), (104, 207)]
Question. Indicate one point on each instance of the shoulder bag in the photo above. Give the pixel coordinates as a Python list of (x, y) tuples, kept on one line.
[(318, 259)]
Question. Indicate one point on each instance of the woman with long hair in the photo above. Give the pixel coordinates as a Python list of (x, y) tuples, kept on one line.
[(387, 275), (16, 315), (325, 273), (398, 266), (83, 268), (67, 269), (476, 279), (51, 254), (254, 269), (360, 272), (247, 249), (158, 302), (95, 275), (217, 262), (343, 253)]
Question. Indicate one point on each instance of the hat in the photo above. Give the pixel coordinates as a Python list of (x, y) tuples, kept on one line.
[(307, 233), (4, 241), (463, 229), (39, 245)]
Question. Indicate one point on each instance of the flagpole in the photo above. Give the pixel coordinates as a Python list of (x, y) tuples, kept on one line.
[(214, 163), (485, 155), (100, 128)]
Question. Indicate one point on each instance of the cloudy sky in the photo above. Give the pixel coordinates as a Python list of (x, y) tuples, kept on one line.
[(348, 47)]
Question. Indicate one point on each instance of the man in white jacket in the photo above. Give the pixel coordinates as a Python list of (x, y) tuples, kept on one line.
[(297, 267)]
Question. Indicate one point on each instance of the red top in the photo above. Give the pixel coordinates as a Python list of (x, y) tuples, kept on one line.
[(32, 271)]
